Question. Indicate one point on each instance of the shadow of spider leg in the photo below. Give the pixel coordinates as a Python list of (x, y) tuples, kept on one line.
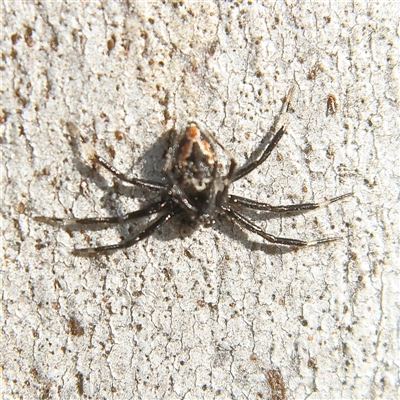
[(133, 181)]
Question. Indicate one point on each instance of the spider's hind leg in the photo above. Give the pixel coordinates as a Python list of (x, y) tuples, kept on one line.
[(246, 169), (133, 181)]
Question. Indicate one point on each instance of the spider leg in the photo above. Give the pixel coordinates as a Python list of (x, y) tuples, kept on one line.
[(143, 212), (243, 171), (221, 196), (134, 181), (179, 197), (91, 251), (246, 169), (255, 205), (236, 217)]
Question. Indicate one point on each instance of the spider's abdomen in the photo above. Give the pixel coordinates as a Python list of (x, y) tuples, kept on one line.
[(195, 166), (194, 174)]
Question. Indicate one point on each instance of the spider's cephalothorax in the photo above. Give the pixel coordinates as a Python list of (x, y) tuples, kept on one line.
[(194, 174), (197, 188)]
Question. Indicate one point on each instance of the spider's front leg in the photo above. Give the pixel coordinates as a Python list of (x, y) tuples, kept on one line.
[(247, 224), (255, 205), (146, 211), (92, 251), (143, 212)]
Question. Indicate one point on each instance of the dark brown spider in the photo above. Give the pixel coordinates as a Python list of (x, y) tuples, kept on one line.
[(197, 189)]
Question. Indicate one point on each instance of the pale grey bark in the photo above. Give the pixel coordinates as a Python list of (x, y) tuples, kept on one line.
[(208, 313)]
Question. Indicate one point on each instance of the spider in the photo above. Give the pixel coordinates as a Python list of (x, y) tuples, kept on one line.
[(197, 189)]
